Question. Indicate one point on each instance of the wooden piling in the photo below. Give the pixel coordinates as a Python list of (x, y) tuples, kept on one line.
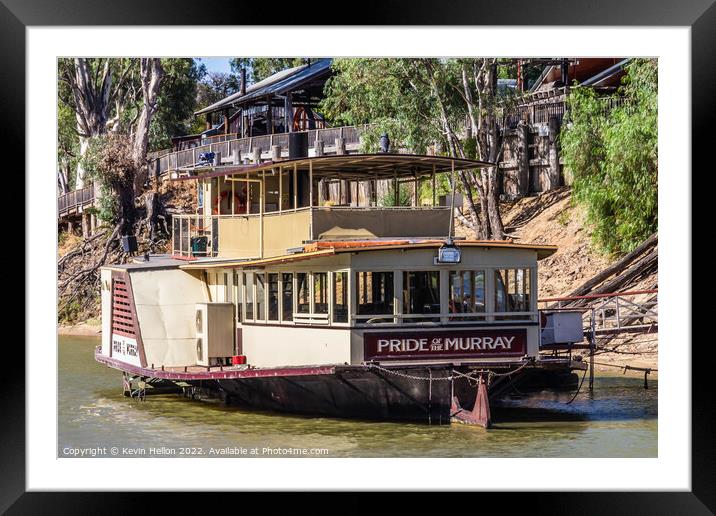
[(275, 152), (553, 153), (523, 160)]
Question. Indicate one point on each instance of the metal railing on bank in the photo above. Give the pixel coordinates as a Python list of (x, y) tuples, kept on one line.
[(620, 312)]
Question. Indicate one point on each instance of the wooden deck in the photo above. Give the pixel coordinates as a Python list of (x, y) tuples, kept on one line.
[(74, 202), (334, 140)]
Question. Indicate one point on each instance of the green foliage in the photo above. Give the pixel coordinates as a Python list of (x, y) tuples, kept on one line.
[(564, 217), (176, 103), (388, 198), (68, 143), (259, 68), (69, 313), (108, 161), (392, 94), (613, 159)]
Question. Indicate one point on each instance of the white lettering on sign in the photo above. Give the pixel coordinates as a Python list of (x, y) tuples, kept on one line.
[(125, 349), (446, 344)]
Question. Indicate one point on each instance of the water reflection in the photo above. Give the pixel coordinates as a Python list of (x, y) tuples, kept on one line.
[(618, 420)]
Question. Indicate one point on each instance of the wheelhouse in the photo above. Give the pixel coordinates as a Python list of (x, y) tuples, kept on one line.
[(263, 210)]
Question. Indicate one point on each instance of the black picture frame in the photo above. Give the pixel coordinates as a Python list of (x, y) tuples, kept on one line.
[(700, 15)]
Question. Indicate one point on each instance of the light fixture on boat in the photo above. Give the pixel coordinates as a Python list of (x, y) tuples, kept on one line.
[(448, 252)]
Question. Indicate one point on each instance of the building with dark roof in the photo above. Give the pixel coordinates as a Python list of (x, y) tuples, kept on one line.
[(284, 102)]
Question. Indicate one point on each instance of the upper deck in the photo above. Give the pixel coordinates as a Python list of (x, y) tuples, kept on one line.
[(263, 210)]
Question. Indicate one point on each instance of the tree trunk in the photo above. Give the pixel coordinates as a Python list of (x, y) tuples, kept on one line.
[(497, 231), (62, 181), (553, 156), (80, 178), (127, 213), (151, 73), (90, 92), (523, 160)]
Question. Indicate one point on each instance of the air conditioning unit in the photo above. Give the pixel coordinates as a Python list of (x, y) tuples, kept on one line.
[(214, 333), (563, 327)]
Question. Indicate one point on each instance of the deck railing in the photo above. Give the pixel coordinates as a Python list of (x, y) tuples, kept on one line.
[(74, 199), (538, 110), (234, 150)]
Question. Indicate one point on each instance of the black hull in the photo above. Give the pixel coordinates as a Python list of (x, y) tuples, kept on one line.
[(372, 394)]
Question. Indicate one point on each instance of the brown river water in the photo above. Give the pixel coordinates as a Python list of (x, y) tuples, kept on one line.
[(619, 419)]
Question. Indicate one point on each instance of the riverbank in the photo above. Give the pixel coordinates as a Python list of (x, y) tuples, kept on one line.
[(90, 327)]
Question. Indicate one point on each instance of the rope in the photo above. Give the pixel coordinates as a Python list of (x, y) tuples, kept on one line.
[(626, 367), (584, 375)]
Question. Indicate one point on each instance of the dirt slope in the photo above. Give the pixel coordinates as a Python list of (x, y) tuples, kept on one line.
[(551, 218)]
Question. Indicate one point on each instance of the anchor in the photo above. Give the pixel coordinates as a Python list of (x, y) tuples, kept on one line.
[(480, 413)]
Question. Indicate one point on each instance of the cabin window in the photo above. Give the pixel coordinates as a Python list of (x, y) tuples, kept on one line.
[(240, 197), (304, 186), (467, 294), (320, 292), (238, 282), (273, 297), (225, 199), (304, 295), (249, 296), (287, 196), (260, 298), (513, 291), (421, 293), (271, 184), (254, 197), (287, 293), (340, 297), (228, 291), (374, 293)]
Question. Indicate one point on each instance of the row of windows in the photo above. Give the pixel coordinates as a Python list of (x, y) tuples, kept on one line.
[(282, 190), (285, 296), (270, 296)]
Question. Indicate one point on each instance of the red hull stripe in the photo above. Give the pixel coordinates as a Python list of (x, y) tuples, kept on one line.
[(211, 375)]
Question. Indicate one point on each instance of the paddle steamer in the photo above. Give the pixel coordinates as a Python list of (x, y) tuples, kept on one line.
[(275, 298)]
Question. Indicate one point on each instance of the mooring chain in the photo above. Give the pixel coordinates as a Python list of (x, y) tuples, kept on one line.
[(408, 376), (455, 374), (510, 373)]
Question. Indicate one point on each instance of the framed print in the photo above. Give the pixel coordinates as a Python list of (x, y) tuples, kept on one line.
[(427, 244)]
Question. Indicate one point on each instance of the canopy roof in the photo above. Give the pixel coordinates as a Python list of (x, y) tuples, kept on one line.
[(358, 167), (277, 84), (322, 249)]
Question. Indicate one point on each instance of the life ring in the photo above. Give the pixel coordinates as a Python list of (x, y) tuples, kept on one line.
[(224, 195), (300, 119)]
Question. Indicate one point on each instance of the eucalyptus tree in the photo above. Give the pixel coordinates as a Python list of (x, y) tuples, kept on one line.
[(92, 88), (421, 102), (259, 68)]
